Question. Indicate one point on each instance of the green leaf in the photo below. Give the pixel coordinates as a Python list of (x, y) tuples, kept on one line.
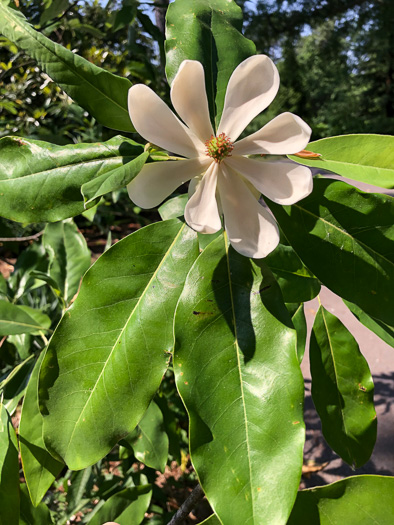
[(359, 499), (9, 471), (115, 180), (101, 93), (342, 390), (210, 32), (299, 322), (39, 467), (345, 237), (173, 208), (16, 319), (69, 256), (212, 520), (150, 444), (296, 282), (31, 515), (237, 372), (366, 158), (40, 182), (126, 507), (114, 342), (79, 481), (382, 330), (53, 9), (14, 385)]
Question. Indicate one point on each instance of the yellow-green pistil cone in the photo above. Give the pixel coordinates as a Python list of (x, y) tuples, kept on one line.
[(220, 147)]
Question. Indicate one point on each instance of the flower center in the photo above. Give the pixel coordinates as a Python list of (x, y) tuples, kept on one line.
[(220, 147)]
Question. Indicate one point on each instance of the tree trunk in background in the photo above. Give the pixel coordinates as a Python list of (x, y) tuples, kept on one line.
[(160, 15)]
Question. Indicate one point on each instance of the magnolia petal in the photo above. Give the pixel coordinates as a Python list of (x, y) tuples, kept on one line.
[(201, 212), (189, 98), (251, 229), (285, 134), (158, 180), (154, 121), (282, 181), (251, 88)]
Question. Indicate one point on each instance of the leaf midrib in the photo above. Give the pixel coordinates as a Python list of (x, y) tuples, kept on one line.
[(122, 331), (226, 244), (65, 166)]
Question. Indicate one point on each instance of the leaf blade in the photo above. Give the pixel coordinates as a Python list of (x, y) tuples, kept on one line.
[(41, 182), (94, 361), (345, 237), (207, 29), (226, 366), (100, 92), (335, 504), (365, 158), (342, 389)]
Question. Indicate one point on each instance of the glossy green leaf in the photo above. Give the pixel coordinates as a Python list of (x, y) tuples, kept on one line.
[(9, 471), (296, 282), (173, 208), (366, 158), (345, 237), (98, 91), (212, 520), (69, 256), (15, 319), (299, 322), (237, 372), (107, 357), (127, 507), (206, 31), (342, 390), (31, 515), (113, 181), (382, 330), (362, 500), (150, 442), (39, 467), (42, 182)]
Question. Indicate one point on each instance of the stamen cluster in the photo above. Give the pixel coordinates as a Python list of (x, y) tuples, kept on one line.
[(219, 147)]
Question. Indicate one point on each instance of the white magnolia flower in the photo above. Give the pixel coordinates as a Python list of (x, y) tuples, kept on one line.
[(223, 179)]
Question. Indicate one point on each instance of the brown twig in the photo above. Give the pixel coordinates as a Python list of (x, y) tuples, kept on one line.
[(187, 506), (21, 239)]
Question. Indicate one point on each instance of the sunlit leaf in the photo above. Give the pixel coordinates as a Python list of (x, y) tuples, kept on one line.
[(206, 33), (365, 158), (126, 507), (237, 372), (359, 499), (42, 182), (107, 357), (98, 91), (15, 319)]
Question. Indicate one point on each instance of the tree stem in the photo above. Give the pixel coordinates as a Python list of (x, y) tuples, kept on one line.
[(187, 506)]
